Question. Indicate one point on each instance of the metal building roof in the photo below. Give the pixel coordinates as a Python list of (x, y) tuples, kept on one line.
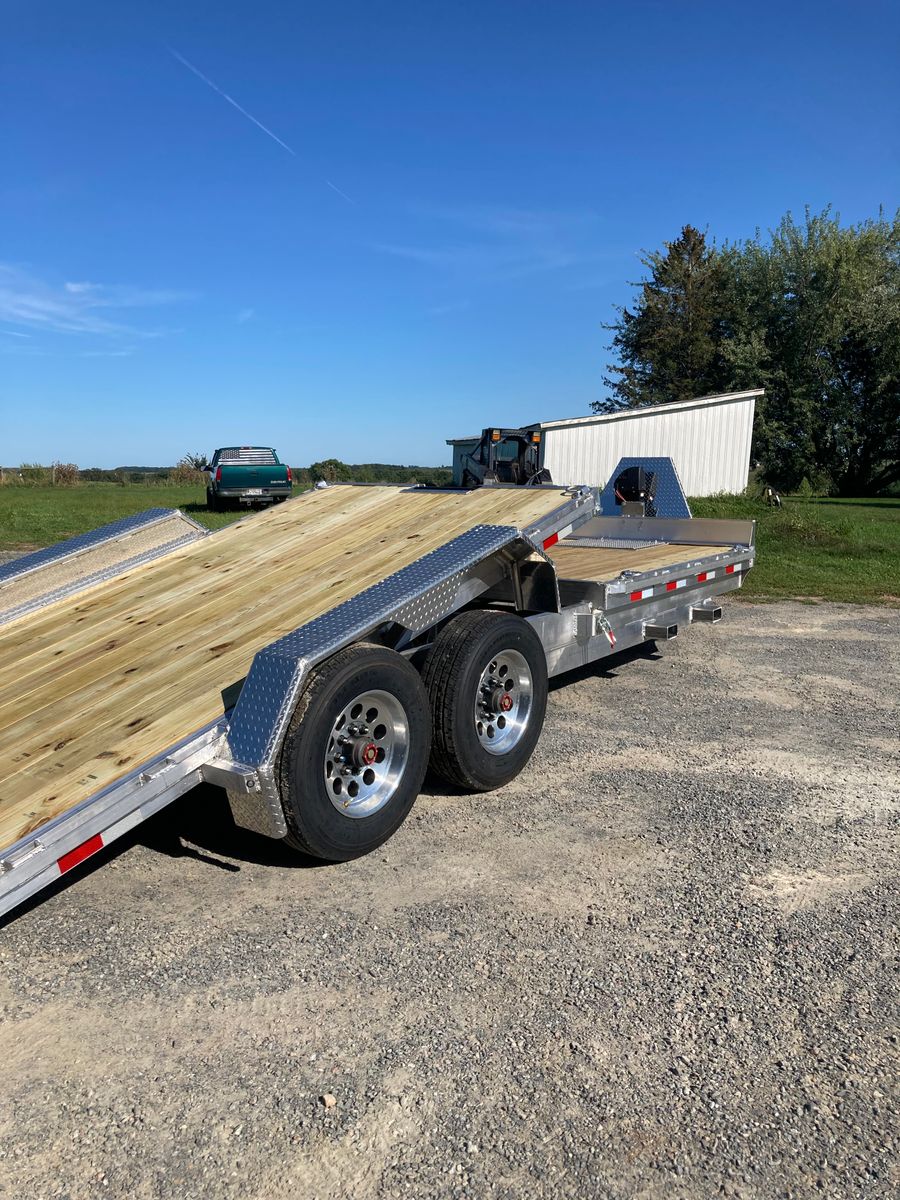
[(630, 414)]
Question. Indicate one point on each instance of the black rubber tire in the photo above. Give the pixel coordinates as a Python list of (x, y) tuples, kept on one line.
[(315, 826), (451, 674), (213, 503)]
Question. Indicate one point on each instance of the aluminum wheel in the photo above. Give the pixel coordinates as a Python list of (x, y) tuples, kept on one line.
[(366, 754), (503, 702)]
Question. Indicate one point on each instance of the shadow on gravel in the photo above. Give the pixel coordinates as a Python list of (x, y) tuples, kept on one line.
[(607, 668), (199, 825)]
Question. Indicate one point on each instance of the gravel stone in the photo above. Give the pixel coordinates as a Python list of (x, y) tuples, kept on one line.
[(660, 963)]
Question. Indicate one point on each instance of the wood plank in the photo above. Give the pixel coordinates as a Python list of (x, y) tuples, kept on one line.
[(603, 566), (92, 686)]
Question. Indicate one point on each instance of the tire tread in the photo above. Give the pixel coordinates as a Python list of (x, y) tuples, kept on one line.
[(443, 668)]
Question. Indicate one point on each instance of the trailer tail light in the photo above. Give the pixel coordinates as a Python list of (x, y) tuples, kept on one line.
[(218, 474), (290, 476)]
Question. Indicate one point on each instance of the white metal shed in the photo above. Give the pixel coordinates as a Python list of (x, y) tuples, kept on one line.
[(708, 439)]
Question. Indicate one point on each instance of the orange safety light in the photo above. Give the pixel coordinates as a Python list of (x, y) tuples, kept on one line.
[(535, 437), (495, 435)]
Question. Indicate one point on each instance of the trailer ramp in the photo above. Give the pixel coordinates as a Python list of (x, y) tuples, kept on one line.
[(95, 684)]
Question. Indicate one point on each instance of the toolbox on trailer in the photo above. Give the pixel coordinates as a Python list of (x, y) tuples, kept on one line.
[(312, 660)]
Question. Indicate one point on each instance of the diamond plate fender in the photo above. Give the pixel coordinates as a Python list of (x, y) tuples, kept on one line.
[(416, 597)]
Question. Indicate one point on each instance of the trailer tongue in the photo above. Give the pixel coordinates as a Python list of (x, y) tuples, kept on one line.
[(312, 659)]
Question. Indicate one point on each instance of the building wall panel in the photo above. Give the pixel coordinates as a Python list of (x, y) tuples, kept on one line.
[(709, 444)]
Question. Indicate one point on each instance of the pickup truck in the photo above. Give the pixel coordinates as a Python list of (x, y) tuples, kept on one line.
[(248, 474)]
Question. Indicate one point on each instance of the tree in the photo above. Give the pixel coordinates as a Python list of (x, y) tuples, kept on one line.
[(195, 462), (330, 470), (811, 314), (670, 345), (815, 320)]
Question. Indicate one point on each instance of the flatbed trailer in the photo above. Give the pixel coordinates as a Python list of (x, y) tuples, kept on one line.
[(311, 660)]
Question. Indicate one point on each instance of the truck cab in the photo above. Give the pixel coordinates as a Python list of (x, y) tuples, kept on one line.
[(246, 474)]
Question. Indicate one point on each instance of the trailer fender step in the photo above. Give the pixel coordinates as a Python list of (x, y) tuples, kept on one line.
[(233, 776)]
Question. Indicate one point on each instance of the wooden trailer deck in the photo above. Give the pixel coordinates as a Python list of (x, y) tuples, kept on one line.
[(95, 685), (605, 565)]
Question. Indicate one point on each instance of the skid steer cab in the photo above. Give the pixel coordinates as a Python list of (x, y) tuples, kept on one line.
[(510, 456)]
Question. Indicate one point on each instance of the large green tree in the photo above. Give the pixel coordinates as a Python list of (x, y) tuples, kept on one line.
[(815, 320), (669, 344), (811, 313)]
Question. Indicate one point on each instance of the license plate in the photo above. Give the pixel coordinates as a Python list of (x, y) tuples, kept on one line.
[(254, 491)]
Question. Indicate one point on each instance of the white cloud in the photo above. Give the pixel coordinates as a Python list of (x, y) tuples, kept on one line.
[(76, 307), (246, 314)]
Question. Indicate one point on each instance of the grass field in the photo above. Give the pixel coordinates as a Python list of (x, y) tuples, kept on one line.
[(821, 549), (39, 516)]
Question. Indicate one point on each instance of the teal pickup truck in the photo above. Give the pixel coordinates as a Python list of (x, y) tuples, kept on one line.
[(248, 475)]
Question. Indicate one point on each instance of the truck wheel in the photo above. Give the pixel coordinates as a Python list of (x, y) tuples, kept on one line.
[(213, 503), (486, 676), (355, 753)]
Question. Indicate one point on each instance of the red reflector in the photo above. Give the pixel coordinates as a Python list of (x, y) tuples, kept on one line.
[(80, 853), (701, 578), (729, 570), (636, 596), (670, 587), (551, 540)]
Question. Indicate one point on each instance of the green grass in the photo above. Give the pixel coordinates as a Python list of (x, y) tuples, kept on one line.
[(846, 550), (821, 549), (39, 516)]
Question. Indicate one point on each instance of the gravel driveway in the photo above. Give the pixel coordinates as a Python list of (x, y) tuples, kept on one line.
[(661, 963)]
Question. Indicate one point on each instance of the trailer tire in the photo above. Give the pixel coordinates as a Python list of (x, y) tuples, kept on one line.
[(483, 754), (335, 815)]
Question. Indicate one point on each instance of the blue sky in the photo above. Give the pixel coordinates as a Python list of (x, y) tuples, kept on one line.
[(425, 231)]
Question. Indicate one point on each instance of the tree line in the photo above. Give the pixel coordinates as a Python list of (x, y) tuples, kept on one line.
[(187, 471), (810, 312)]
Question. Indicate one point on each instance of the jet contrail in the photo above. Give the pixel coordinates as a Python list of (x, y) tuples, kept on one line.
[(334, 187), (215, 87), (250, 117)]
